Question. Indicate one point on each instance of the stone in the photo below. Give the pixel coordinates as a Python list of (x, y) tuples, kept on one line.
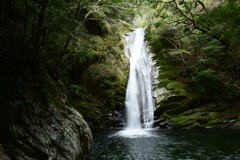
[(236, 125), (3, 155), (58, 134)]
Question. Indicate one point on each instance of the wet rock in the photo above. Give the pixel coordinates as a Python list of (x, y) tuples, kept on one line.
[(236, 125), (162, 123), (116, 119), (165, 125), (160, 94), (3, 155), (58, 134)]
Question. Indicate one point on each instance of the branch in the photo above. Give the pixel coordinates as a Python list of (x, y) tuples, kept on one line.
[(203, 6), (94, 9), (181, 12), (209, 34), (177, 22), (189, 11), (115, 7), (190, 33)]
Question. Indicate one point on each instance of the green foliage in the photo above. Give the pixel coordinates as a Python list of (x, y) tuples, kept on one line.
[(63, 52), (196, 45), (212, 49), (79, 44), (208, 84), (226, 21)]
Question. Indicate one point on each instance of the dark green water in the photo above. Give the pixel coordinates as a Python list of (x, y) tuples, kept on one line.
[(168, 145)]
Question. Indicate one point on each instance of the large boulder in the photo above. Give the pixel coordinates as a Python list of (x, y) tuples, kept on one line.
[(3, 154), (58, 133)]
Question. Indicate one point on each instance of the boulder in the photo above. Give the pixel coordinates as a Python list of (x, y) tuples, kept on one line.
[(58, 133), (3, 154)]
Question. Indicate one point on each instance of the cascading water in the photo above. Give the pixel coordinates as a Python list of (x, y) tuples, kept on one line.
[(139, 100)]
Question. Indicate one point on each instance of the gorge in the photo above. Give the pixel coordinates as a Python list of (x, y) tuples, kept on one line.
[(124, 79)]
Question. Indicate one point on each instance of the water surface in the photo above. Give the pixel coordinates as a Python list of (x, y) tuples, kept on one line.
[(167, 145)]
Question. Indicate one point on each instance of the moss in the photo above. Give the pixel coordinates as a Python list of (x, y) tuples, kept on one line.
[(178, 88), (106, 27), (175, 101), (163, 82), (187, 117), (196, 125), (196, 119), (164, 108), (166, 116)]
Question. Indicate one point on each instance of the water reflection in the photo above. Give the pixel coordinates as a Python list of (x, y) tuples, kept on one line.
[(168, 145), (140, 148)]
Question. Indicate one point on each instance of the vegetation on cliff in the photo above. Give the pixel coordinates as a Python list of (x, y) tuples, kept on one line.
[(197, 48), (54, 56), (48, 47)]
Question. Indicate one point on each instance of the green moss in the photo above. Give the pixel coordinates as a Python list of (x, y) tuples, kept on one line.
[(176, 100), (184, 118), (106, 27), (214, 118), (196, 119), (196, 125)]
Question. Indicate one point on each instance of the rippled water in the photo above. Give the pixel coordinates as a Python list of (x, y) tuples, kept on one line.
[(168, 145)]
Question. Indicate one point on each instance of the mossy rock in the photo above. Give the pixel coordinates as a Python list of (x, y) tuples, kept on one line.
[(175, 98), (165, 107), (189, 120), (163, 82), (106, 27), (236, 125), (196, 125), (173, 105), (177, 88), (177, 110), (194, 118)]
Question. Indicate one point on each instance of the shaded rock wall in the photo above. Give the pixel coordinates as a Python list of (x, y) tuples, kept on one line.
[(59, 133), (44, 126)]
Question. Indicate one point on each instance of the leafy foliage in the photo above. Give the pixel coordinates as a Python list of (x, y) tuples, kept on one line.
[(50, 47), (201, 43)]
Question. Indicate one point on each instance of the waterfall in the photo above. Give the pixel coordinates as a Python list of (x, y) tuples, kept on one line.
[(139, 100)]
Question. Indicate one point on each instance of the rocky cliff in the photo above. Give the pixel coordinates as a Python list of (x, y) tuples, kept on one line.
[(58, 133)]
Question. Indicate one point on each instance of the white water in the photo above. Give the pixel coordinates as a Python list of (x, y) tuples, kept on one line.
[(139, 100)]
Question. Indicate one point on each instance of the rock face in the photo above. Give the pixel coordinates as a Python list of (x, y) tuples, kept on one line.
[(3, 154), (55, 134)]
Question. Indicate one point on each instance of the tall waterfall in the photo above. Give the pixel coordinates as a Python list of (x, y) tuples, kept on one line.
[(139, 100)]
